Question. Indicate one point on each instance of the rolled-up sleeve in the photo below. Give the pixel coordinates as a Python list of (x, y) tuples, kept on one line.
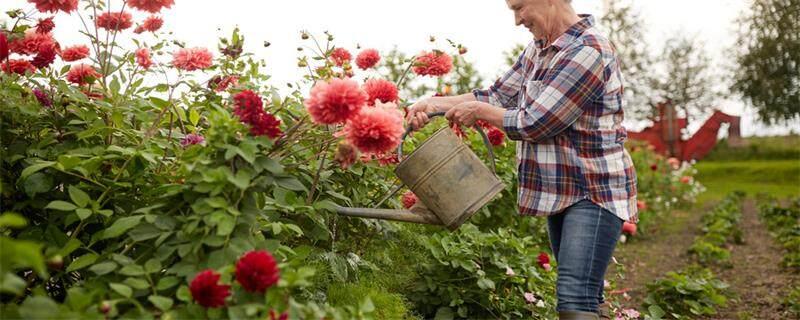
[(574, 83), (506, 90)]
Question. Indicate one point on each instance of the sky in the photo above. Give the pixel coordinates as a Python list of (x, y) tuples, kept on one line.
[(485, 27)]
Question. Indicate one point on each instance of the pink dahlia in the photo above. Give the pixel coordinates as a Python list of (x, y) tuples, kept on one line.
[(340, 56), (434, 63), (192, 139), (641, 205), (17, 66), (380, 89), (45, 25), (409, 199), (375, 130), (31, 43), (82, 74), (151, 24), (74, 53), (367, 58), (191, 59), (151, 6), (55, 5), (42, 97), (114, 21), (257, 270), (143, 58), (335, 101)]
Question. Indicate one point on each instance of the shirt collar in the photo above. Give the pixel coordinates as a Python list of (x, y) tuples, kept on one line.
[(572, 33)]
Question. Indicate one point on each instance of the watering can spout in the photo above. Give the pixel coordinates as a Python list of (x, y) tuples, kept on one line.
[(417, 214)]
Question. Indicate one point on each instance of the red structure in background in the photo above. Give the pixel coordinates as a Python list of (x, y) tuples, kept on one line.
[(665, 134)]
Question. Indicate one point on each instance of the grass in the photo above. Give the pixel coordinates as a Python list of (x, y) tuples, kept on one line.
[(779, 178)]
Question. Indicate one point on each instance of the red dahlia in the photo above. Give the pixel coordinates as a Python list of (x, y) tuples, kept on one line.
[(74, 53), (367, 58), (151, 6), (17, 66), (335, 101), (55, 5), (340, 56), (115, 21), (380, 89), (45, 25), (435, 63), (207, 291), (257, 270)]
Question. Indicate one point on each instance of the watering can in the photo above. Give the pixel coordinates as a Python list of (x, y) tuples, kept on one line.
[(450, 181)]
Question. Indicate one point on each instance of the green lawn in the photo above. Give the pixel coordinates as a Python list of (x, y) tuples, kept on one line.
[(780, 178)]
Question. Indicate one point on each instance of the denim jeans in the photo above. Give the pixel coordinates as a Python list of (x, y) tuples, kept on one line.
[(583, 238)]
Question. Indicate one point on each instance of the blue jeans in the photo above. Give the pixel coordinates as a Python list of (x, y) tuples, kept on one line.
[(583, 238)]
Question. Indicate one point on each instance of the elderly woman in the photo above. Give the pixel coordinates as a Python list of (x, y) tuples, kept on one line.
[(563, 102)]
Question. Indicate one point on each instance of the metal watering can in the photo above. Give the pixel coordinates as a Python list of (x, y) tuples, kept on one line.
[(449, 180)]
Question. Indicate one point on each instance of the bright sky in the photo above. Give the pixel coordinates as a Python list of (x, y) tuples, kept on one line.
[(486, 28)]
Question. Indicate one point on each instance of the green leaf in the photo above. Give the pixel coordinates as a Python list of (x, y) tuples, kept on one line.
[(183, 294), (137, 283), (38, 307), (37, 183), (83, 214), (22, 254), (656, 312), (69, 247), (119, 227), (82, 262), (290, 183), (485, 283), (12, 284), (241, 180), (152, 266), (225, 225), (103, 268), (162, 303), (79, 197), (35, 167), (132, 270), (166, 283), (12, 220), (61, 205), (194, 117), (444, 313), (122, 289)]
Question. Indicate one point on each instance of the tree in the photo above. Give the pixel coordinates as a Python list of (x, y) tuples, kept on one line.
[(684, 78), (768, 62), (625, 28)]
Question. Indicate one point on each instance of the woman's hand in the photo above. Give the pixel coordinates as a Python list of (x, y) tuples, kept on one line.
[(417, 113), (465, 113)]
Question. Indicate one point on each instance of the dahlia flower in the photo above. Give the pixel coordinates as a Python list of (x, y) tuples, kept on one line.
[(192, 139), (143, 58), (434, 63), (114, 21), (340, 56), (81, 74), (380, 89), (74, 53), (151, 6), (151, 24), (55, 5), (496, 136), (257, 270), (191, 59), (207, 291), (17, 66), (367, 58), (45, 25), (409, 199), (375, 130), (335, 101)]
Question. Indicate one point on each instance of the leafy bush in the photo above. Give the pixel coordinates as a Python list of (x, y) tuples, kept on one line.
[(784, 224), (472, 274), (686, 294), (720, 228)]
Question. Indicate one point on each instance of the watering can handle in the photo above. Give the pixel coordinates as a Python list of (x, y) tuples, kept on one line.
[(441, 113)]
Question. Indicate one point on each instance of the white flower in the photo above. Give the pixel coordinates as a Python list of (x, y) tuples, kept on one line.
[(631, 313), (540, 304), (622, 238), (530, 297), (510, 272), (606, 284)]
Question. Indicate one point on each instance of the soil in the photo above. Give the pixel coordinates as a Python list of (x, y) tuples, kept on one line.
[(756, 280)]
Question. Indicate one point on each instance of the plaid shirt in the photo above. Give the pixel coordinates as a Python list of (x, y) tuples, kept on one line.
[(565, 107)]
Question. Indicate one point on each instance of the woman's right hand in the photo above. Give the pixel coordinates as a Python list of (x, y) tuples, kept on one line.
[(417, 113)]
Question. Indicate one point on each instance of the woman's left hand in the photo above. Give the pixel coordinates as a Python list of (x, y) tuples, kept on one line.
[(465, 113)]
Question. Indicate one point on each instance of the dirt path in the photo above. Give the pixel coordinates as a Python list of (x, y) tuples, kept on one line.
[(652, 255), (756, 277)]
